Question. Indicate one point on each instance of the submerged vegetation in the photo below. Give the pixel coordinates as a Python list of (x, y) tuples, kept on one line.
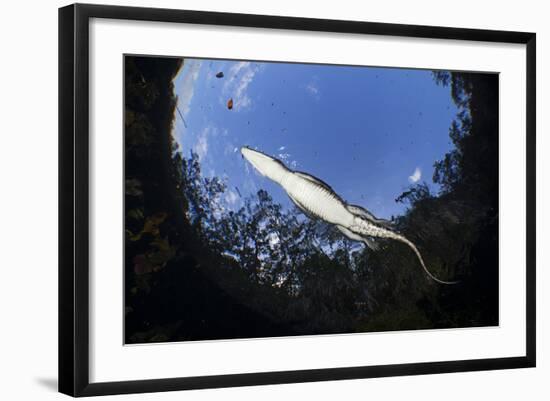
[(195, 270)]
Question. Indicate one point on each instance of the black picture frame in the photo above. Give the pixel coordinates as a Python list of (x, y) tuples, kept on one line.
[(74, 198)]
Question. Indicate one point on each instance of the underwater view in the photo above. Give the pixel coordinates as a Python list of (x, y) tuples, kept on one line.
[(267, 199)]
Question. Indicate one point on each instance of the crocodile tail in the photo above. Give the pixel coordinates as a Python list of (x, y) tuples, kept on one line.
[(417, 252)]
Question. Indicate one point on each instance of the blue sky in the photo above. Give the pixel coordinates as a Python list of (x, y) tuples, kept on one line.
[(368, 132)]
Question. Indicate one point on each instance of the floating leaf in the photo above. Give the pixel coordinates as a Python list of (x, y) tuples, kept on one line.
[(151, 226), (161, 244), (142, 265), (163, 255), (219, 74), (129, 117), (136, 214), (230, 103), (130, 234), (152, 223), (154, 260), (133, 187)]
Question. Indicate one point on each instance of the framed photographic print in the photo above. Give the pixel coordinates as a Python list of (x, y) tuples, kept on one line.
[(249, 199)]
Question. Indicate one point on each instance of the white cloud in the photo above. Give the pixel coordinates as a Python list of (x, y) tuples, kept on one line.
[(313, 88), (218, 209), (229, 149), (282, 148), (231, 197), (273, 239), (416, 176), (235, 69), (239, 77), (185, 86), (286, 159), (284, 156), (201, 147)]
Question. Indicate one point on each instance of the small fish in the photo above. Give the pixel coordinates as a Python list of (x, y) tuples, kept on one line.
[(219, 74), (230, 103), (318, 200)]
